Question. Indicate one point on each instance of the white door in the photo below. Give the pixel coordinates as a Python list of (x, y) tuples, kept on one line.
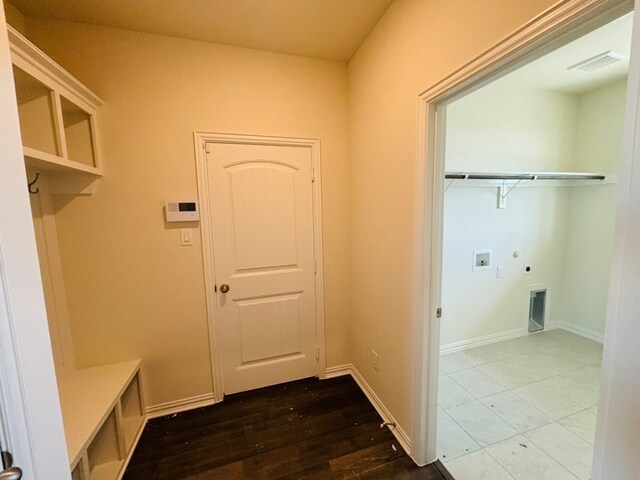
[(263, 249)]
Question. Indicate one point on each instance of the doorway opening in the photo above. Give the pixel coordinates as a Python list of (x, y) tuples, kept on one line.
[(531, 198), (538, 150)]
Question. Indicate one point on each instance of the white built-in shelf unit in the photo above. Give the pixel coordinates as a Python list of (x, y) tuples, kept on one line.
[(58, 119), (103, 413), (103, 408)]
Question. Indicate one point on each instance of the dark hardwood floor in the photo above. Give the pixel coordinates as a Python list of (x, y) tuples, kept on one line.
[(309, 429)]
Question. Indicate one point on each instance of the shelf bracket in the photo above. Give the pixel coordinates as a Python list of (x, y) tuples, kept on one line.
[(504, 191), (449, 184)]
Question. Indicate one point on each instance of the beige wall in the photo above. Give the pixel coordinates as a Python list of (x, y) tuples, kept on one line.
[(587, 264), (15, 18), (505, 127), (416, 43), (133, 290), (126, 270)]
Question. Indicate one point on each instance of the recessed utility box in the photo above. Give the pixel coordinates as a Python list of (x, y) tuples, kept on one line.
[(537, 310), (481, 260)]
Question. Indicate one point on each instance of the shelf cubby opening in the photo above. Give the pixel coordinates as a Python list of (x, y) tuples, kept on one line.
[(132, 413), (36, 113), (105, 459), (78, 132)]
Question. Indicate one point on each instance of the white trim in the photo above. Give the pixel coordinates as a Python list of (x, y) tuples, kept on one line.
[(200, 141), (31, 413), (556, 26), (515, 333), (179, 406), (578, 330), (338, 371), (349, 369), (480, 341), (47, 70)]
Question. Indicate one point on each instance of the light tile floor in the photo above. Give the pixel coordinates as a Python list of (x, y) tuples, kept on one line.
[(521, 409)]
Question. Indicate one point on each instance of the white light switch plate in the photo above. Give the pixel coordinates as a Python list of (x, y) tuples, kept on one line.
[(186, 237)]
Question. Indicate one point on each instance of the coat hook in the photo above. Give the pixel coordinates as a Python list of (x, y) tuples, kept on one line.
[(32, 183)]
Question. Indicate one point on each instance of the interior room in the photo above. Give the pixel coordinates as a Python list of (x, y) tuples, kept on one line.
[(215, 229), (527, 259)]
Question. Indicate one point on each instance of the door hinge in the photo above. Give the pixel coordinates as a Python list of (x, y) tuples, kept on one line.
[(315, 266), (215, 288), (313, 174), (317, 353), (205, 147), (439, 312)]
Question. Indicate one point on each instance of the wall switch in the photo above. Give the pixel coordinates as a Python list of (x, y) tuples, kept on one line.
[(186, 237), (526, 269), (500, 272), (374, 359)]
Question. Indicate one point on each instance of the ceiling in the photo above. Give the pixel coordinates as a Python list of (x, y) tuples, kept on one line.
[(550, 72), (325, 29)]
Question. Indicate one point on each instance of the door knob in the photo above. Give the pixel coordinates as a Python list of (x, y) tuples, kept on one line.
[(224, 288), (13, 473)]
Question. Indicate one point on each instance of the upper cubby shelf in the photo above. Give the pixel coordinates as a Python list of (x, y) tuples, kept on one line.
[(58, 118)]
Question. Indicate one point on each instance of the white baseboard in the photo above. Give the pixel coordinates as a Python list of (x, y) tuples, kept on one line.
[(519, 332), (338, 371), (398, 432), (578, 330), (179, 406), (480, 341)]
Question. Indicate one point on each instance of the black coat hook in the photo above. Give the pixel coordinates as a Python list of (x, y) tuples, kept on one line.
[(32, 183)]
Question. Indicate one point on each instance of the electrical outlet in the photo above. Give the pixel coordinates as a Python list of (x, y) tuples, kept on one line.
[(374, 359), (526, 269), (500, 272)]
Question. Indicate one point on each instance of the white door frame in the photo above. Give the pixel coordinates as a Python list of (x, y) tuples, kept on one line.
[(560, 24), (29, 399), (201, 140)]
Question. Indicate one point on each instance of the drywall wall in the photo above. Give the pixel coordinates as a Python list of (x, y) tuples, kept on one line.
[(552, 227), (506, 128), (15, 18), (598, 135), (477, 303), (416, 44), (588, 249), (133, 291)]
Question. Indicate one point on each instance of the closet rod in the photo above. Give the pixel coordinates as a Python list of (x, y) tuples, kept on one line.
[(523, 176)]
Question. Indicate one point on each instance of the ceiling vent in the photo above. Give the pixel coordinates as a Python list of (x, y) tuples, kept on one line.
[(598, 62)]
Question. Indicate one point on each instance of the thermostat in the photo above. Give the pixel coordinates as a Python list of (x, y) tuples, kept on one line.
[(182, 211)]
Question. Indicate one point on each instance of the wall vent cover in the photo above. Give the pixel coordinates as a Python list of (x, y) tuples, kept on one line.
[(598, 62)]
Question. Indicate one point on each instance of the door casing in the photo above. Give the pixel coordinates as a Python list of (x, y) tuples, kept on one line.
[(201, 139), (563, 22)]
